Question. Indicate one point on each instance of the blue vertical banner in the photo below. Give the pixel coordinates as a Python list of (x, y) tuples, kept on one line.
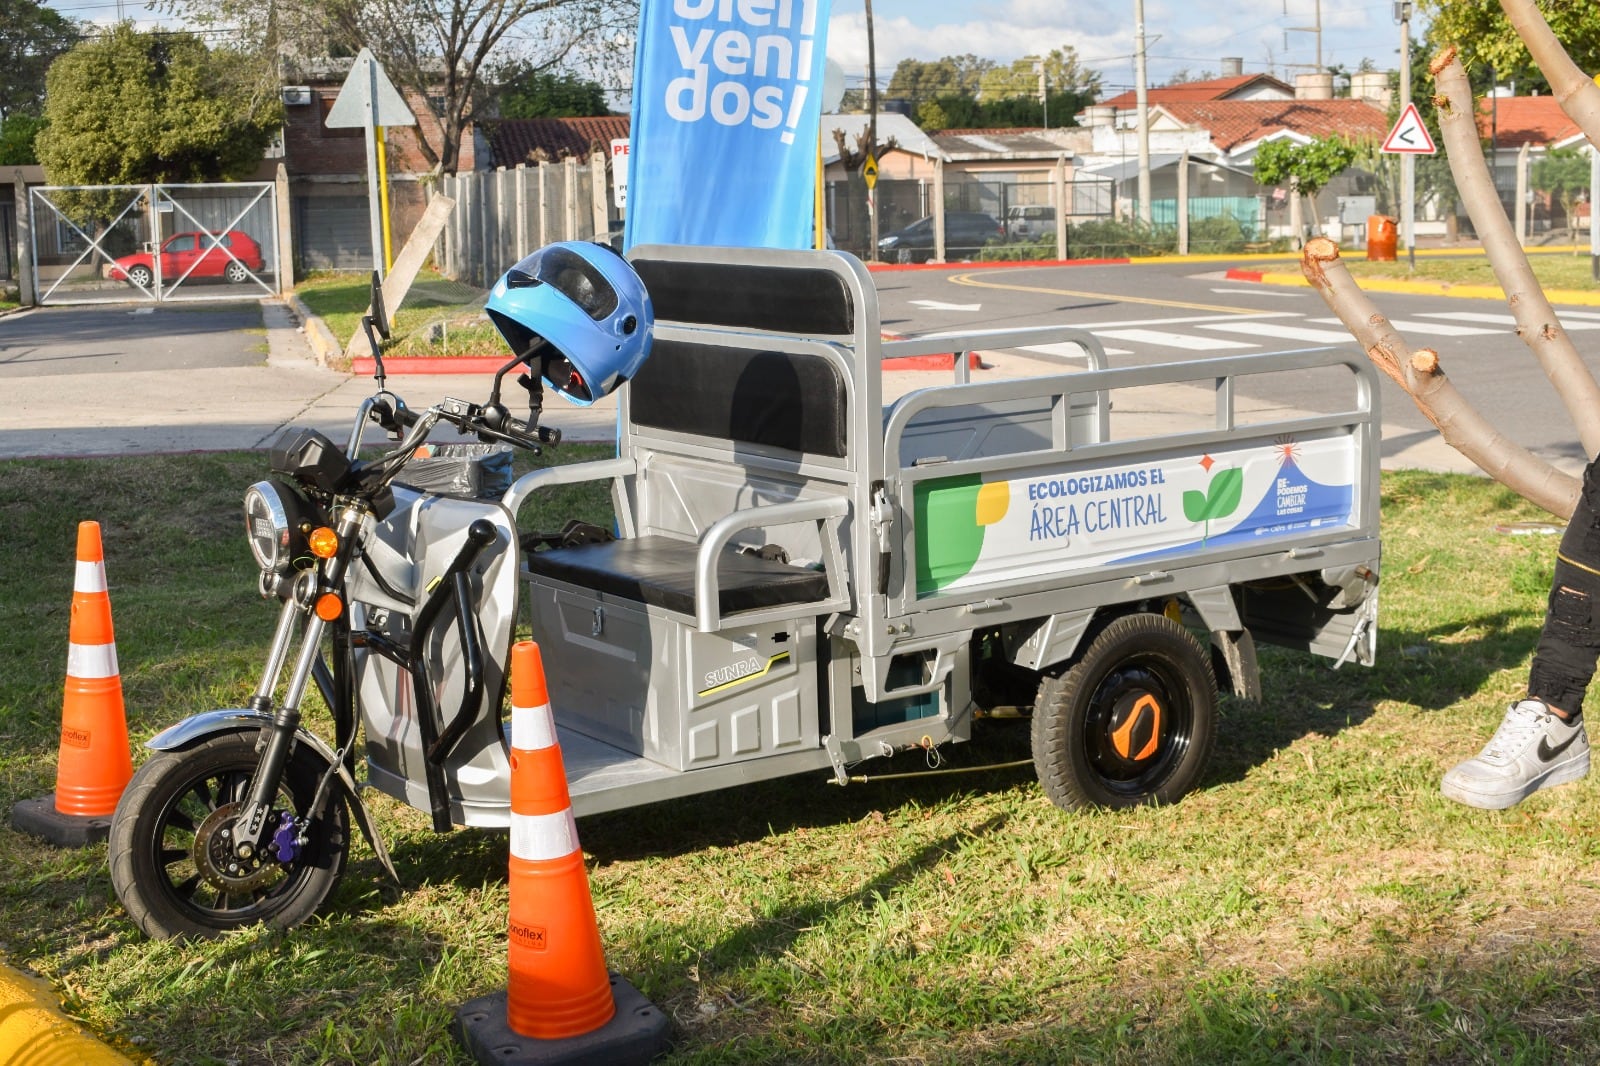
[(727, 101)]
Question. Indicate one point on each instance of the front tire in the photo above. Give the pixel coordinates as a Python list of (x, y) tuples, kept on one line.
[(141, 276), (164, 834), (1131, 722)]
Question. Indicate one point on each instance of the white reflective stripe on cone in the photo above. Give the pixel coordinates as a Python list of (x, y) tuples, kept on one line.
[(90, 576), (91, 660), (538, 837), (533, 728)]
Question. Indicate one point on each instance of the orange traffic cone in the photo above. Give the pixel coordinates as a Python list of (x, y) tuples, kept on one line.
[(558, 984), (94, 763), (560, 1004)]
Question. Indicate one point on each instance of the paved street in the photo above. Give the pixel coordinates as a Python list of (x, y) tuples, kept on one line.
[(108, 380)]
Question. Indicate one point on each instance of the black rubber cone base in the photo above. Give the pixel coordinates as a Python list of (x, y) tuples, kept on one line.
[(39, 817), (636, 1034)]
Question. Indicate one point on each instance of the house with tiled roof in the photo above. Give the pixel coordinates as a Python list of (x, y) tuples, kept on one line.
[(1512, 125), (1235, 87), (514, 141), (1219, 126)]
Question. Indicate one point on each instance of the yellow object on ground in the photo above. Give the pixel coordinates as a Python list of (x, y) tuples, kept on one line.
[(34, 1032)]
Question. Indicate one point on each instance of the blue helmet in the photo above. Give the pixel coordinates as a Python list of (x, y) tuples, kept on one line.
[(586, 303)]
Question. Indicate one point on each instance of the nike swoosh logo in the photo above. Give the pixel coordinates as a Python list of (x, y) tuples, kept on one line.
[(1546, 752)]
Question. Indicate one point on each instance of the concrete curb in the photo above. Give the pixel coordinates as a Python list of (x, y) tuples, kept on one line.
[(33, 1028), (323, 345), (1572, 297)]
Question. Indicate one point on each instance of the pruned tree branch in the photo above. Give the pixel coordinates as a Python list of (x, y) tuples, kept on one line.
[(1537, 324), (1420, 374)]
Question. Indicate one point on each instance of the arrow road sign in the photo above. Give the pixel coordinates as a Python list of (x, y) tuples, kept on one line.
[(1410, 135)]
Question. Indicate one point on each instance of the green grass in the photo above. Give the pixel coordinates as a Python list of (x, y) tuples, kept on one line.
[(437, 317), (1555, 270), (1315, 900)]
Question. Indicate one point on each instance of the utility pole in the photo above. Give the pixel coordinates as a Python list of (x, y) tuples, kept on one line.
[(1408, 162), (872, 137), (1141, 93)]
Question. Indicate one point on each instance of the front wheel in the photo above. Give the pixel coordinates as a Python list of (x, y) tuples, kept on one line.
[(141, 275), (1131, 722), (172, 868)]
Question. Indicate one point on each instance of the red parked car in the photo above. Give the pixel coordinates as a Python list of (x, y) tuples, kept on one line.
[(181, 250)]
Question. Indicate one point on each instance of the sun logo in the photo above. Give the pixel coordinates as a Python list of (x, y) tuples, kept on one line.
[(994, 500)]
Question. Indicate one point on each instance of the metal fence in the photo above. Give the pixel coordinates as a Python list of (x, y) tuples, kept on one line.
[(902, 203), (502, 215)]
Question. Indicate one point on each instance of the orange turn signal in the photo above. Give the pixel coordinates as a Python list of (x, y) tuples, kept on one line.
[(329, 606), (324, 542)]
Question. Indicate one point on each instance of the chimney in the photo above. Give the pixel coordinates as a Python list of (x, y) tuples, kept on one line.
[(1232, 66)]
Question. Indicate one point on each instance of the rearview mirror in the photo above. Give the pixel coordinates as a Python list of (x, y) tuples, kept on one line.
[(380, 316), (375, 324)]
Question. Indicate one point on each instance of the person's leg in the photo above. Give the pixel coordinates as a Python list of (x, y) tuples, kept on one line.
[(1541, 742)]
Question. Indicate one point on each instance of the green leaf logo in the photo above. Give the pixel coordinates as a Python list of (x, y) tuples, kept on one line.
[(1220, 499)]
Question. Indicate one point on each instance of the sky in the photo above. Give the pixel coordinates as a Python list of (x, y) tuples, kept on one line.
[(1269, 36), (1179, 34)]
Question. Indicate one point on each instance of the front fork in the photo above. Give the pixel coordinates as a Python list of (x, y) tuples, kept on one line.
[(253, 822)]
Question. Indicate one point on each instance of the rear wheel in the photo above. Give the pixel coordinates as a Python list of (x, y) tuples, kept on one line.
[(172, 866), (235, 272), (1131, 722)]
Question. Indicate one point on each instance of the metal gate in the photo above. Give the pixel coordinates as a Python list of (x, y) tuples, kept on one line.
[(110, 243)]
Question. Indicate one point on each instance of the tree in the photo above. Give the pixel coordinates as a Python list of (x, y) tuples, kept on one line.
[(1420, 371), (31, 37), (17, 138), (1062, 71), (527, 93), (1484, 38), (1305, 168), (443, 51), (131, 108)]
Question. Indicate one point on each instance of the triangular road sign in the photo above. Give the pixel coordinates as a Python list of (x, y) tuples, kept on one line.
[(1410, 134), (368, 81)]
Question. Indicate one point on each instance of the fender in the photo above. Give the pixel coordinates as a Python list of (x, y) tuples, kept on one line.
[(207, 724)]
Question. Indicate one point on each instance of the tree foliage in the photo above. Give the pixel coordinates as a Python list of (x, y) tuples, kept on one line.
[(1308, 167), (16, 140), (443, 51), (525, 92), (31, 37), (918, 82), (1063, 72), (1014, 112), (1484, 39), (131, 107)]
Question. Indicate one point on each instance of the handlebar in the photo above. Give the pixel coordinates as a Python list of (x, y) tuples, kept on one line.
[(490, 423)]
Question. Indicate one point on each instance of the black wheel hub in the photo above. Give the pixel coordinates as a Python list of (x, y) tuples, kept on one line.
[(216, 857)]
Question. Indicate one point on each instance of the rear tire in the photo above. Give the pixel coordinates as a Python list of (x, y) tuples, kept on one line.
[(236, 272), (1131, 722), (161, 828)]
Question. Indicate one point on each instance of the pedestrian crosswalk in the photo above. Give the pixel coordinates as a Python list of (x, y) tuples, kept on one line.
[(1279, 329)]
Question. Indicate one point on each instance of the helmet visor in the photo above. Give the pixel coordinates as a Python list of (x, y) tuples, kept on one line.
[(569, 274)]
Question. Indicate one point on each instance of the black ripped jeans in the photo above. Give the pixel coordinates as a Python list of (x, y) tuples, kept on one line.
[(1569, 643)]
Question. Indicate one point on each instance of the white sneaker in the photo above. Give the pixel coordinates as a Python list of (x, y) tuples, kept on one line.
[(1534, 748)]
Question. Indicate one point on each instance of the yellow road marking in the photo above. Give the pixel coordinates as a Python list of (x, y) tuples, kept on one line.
[(972, 280)]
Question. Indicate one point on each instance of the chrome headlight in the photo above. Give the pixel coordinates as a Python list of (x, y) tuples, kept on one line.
[(275, 524)]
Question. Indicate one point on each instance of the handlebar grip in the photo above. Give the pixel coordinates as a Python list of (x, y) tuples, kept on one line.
[(406, 416)]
